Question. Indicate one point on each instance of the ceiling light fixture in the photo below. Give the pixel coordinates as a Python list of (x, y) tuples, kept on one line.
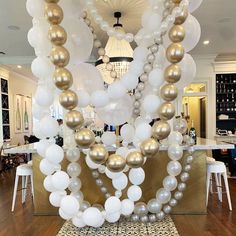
[(19, 66), (13, 27), (206, 42)]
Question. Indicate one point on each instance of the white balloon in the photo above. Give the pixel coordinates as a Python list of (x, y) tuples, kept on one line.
[(151, 103), (43, 96), (116, 90), (60, 180), (129, 80), (143, 131), (120, 183), (141, 38), (127, 132), (134, 193), (116, 112), (175, 137), (47, 183), (39, 112), (174, 168), (92, 217), (49, 126), (122, 151), (37, 131), (35, 8), (46, 167), (63, 215), (108, 138), (78, 222), (136, 67), (151, 21), (70, 205), (83, 98), (54, 154), (161, 57), (42, 146), (175, 152), (112, 175), (140, 53), (194, 5), (163, 195), (99, 98), (87, 77), (156, 77), (114, 217), (112, 205), (170, 183), (127, 207), (91, 164), (72, 8), (42, 67), (192, 33), (56, 197), (137, 176)]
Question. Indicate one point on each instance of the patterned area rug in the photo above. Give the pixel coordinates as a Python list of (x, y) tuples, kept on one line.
[(123, 228)]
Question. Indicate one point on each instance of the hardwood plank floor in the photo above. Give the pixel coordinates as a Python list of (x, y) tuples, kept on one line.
[(218, 222)]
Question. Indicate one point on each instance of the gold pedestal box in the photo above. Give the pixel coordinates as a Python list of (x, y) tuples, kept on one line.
[(193, 202)]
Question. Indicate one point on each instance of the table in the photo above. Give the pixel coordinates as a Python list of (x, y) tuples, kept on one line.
[(194, 198)]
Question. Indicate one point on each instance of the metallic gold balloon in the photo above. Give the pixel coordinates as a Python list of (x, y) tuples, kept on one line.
[(175, 53), (169, 92), (53, 13), (176, 1), (60, 56), (161, 130), (149, 147), (57, 35), (179, 20), (68, 99), (172, 73), (166, 111), (62, 78), (98, 154), (177, 33), (51, 1), (116, 163), (74, 119), (135, 159), (84, 138)]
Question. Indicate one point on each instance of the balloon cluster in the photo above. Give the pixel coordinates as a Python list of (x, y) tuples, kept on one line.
[(62, 47)]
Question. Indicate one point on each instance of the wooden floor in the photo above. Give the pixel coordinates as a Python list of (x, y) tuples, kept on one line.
[(218, 222)]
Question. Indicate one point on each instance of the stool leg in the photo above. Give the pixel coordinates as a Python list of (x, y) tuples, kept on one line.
[(211, 188), (227, 190), (25, 189), (220, 184), (207, 187), (32, 186), (217, 186), (22, 190), (14, 193)]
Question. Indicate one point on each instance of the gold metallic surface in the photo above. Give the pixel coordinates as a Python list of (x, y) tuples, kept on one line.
[(53, 13), (169, 92), (68, 99), (177, 33), (57, 35), (135, 159), (175, 53), (84, 138), (62, 78), (98, 153), (166, 111), (172, 73), (179, 20), (161, 130), (149, 147), (115, 163), (74, 119)]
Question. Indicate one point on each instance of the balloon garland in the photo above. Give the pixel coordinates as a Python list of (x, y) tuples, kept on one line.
[(65, 55)]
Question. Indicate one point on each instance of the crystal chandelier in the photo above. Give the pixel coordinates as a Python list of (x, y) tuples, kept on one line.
[(120, 53)]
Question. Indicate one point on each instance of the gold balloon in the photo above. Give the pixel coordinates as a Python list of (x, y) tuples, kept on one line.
[(68, 99), (169, 92), (62, 78), (52, 1), (60, 56), (57, 35), (53, 13), (84, 138), (98, 154), (176, 1), (166, 111), (135, 159), (172, 73), (175, 53), (116, 163), (179, 20), (161, 130), (177, 33), (149, 147), (74, 119)]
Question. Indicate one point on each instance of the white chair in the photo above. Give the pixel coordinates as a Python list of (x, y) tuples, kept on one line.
[(218, 168), (23, 171), (209, 160)]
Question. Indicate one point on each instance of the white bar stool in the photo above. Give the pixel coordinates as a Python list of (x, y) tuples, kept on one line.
[(23, 171), (209, 160), (218, 168)]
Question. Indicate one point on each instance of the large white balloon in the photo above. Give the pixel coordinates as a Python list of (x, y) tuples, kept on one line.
[(60, 180), (160, 57), (175, 152), (192, 33), (49, 126), (47, 183), (137, 176), (170, 183), (78, 221), (156, 77), (46, 167), (174, 168), (91, 164), (140, 53), (151, 103), (56, 197), (54, 154), (194, 5), (127, 207), (127, 132), (129, 80), (86, 76), (63, 215), (72, 8), (83, 98), (114, 217), (120, 183), (143, 131), (116, 112), (112, 205), (108, 138), (43, 96), (151, 21), (99, 98), (134, 193), (42, 67), (92, 217), (70, 205), (42, 146), (35, 8), (116, 90), (163, 195), (112, 175), (39, 112), (175, 137)]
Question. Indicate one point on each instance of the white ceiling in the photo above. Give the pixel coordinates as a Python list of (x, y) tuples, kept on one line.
[(217, 19)]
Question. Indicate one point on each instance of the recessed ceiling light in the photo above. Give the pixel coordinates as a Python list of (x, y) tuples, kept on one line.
[(206, 42), (13, 27), (19, 66)]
